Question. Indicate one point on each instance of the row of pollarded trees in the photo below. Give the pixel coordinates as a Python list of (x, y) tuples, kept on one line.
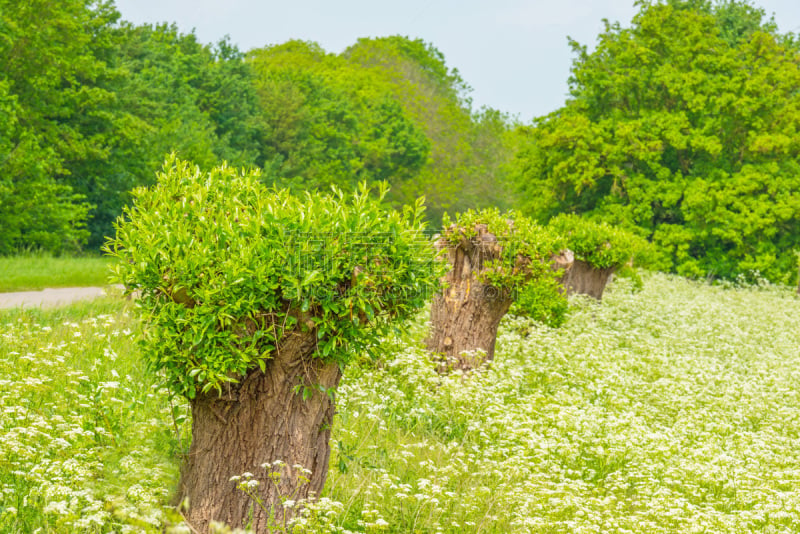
[(492, 258), (255, 300)]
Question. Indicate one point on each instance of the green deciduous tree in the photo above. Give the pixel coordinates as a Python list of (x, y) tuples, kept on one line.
[(47, 86), (683, 127), (89, 107), (325, 122), (469, 150), (385, 109), (171, 93), (255, 301)]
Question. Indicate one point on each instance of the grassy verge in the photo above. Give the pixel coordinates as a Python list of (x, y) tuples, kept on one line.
[(32, 272), (673, 409)]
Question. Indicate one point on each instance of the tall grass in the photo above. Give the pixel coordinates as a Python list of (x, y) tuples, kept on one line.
[(668, 410), (33, 271), (86, 434)]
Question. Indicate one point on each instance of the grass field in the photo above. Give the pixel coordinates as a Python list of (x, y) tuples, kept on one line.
[(673, 409), (38, 271)]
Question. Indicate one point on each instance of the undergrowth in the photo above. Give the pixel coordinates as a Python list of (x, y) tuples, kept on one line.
[(673, 408)]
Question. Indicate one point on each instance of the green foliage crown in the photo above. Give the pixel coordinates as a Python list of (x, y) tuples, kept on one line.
[(525, 248), (227, 268), (597, 243)]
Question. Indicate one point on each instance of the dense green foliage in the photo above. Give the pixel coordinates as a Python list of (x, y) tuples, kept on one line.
[(525, 248), (682, 127), (385, 109), (469, 150), (670, 410), (597, 243), (90, 105), (544, 301), (171, 93), (326, 122), (227, 268), (47, 88)]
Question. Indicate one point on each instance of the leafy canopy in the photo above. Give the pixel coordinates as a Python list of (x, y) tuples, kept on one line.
[(684, 128), (597, 243), (47, 87), (227, 268), (469, 150), (89, 106), (326, 122), (518, 239)]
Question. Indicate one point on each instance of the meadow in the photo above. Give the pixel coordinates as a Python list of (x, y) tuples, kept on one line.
[(32, 271), (674, 407)]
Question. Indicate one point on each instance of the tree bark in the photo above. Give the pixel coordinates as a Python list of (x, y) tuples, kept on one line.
[(264, 419), (583, 279), (465, 316)]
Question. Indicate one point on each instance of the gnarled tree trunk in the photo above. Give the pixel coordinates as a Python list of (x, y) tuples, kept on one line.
[(465, 316), (264, 419), (583, 279)]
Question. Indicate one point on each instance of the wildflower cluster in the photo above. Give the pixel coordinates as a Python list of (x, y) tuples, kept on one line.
[(672, 409), (82, 440), (314, 516)]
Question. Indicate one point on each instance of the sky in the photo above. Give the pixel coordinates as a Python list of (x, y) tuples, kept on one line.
[(513, 53)]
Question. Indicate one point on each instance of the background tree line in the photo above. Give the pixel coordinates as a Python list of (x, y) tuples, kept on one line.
[(682, 127), (90, 105), (685, 128)]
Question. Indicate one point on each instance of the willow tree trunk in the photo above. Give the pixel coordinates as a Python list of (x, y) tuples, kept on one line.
[(583, 279), (465, 316), (264, 420)]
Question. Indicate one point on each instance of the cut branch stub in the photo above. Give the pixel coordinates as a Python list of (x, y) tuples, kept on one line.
[(562, 263)]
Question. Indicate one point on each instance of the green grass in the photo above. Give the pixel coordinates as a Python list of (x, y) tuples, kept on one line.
[(668, 410), (37, 271)]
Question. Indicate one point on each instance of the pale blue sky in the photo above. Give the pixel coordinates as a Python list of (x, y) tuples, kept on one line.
[(514, 53)]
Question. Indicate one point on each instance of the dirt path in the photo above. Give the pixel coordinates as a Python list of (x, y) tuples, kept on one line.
[(48, 298)]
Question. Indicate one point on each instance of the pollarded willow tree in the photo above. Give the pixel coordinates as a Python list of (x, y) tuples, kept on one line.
[(598, 249), (684, 127), (254, 301), (490, 257)]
